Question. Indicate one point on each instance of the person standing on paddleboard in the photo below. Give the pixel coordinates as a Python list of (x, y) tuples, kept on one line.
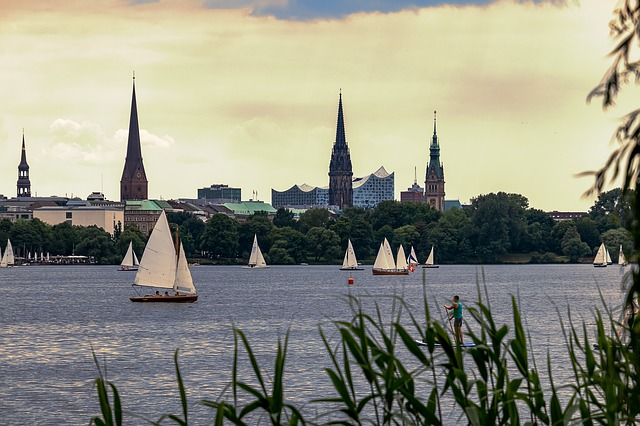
[(456, 306)]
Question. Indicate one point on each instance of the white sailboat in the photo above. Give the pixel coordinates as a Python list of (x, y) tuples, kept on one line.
[(350, 263), (130, 261), (430, 262), (256, 259), (608, 255), (600, 261), (8, 259), (622, 260), (412, 260), (386, 265), (162, 268)]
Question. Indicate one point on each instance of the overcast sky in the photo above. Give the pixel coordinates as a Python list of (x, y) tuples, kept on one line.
[(245, 93)]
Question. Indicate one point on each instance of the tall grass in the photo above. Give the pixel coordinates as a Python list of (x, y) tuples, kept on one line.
[(380, 375)]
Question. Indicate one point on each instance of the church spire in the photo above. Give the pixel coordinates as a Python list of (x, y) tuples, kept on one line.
[(133, 184), (340, 170), (434, 179), (24, 184)]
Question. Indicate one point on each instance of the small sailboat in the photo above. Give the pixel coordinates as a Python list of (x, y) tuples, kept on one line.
[(600, 261), (162, 268), (130, 261), (622, 260), (350, 263), (8, 259), (609, 261), (386, 265), (256, 259), (412, 260), (430, 262)]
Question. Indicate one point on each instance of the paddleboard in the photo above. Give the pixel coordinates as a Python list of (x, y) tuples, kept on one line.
[(438, 345)]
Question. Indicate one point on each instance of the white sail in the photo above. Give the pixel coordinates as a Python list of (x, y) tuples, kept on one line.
[(256, 259), (601, 256), (158, 265), (412, 260), (401, 259), (184, 281), (130, 260), (622, 260), (430, 260), (349, 258), (388, 254), (381, 262), (609, 261), (7, 258)]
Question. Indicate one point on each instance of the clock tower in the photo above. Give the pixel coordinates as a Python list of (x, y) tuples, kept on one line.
[(434, 179), (134, 184)]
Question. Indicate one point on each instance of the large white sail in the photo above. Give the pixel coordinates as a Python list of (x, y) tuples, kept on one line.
[(622, 260), (430, 260), (130, 259), (388, 255), (380, 262), (601, 256), (256, 259), (184, 281), (7, 258), (608, 256), (401, 259), (349, 258), (158, 265)]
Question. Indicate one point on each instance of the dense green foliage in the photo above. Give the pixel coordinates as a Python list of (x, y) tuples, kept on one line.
[(490, 230)]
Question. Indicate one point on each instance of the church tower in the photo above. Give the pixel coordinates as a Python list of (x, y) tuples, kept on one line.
[(24, 184), (133, 184), (340, 172), (434, 180)]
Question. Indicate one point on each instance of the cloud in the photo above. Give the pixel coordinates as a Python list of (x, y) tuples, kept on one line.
[(306, 10)]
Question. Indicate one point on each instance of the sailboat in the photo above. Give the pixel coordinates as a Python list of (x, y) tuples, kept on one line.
[(430, 262), (130, 261), (608, 255), (350, 263), (256, 259), (8, 259), (622, 260), (386, 265), (162, 268), (600, 261), (412, 260)]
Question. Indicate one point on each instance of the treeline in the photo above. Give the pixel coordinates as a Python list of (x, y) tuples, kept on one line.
[(494, 228)]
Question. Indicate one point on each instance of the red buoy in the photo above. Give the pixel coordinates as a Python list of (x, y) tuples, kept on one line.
[(350, 280)]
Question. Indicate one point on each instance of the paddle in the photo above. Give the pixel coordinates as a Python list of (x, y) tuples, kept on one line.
[(449, 317)]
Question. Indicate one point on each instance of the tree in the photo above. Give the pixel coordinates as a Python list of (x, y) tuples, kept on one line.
[(614, 238), (291, 241), (257, 224), (573, 246), (284, 217), (134, 235), (313, 218), (220, 236), (323, 244)]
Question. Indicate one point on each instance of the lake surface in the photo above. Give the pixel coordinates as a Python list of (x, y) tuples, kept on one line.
[(51, 317)]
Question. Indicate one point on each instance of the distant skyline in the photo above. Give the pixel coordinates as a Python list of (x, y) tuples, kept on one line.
[(245, 93)]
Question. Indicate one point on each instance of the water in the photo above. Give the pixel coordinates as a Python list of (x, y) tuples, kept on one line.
[(51, 317)]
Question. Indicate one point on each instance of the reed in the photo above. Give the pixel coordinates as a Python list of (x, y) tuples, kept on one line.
[(381, 376)]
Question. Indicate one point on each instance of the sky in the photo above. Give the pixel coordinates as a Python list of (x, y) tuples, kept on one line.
[(245, 93)]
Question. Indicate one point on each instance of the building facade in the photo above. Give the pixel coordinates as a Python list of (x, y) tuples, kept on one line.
[(434, 179), (340, 170), (24, 184), (106, 218), (371, 190), (298, 196), (220, 194), (134, 184)]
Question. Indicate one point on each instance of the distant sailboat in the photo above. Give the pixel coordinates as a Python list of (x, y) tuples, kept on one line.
[(609, 261), (622, 260), (256, 259), (8, 259), (600, 261), (350, 263), (130, 261), (412, 260), (161, 267), (386, 265), (430, 262)]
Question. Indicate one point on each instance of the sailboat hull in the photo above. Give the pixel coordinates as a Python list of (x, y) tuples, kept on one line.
[(352, 269), (430, 266), (389, 272), (166, 299), (128, 268)]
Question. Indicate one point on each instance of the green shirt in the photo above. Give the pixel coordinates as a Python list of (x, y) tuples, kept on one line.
[(457, 311)]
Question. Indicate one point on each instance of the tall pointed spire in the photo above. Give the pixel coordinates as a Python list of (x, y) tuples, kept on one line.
[(24, 184), (340, 169), (134, 184), (434, 178)]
